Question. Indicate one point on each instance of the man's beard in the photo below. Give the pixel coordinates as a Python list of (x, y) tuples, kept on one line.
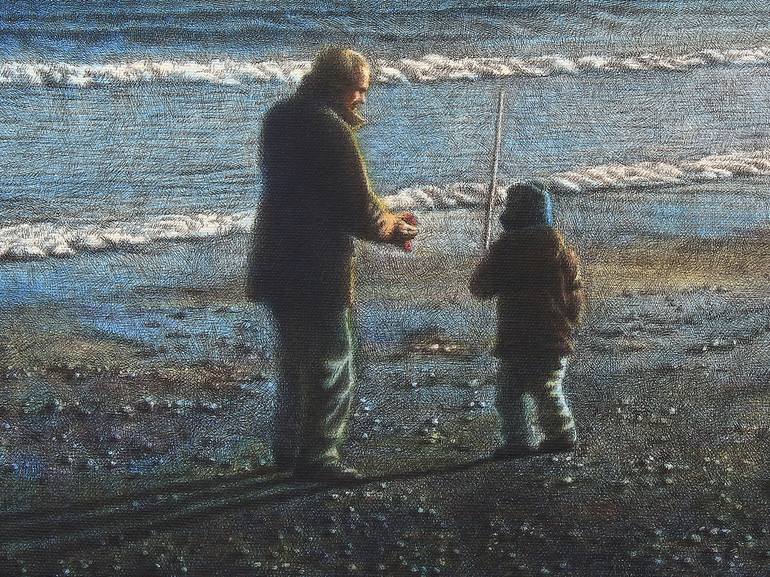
[(352, 116)]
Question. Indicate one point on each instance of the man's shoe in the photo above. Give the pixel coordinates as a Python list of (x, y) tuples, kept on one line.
[(557, 446), (508, 452), (329, 471)]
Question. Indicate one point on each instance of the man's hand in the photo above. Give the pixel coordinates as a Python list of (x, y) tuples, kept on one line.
[(397, 228), (409, 219), (405, 230)]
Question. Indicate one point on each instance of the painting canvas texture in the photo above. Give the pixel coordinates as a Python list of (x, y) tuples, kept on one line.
[(138, 383)]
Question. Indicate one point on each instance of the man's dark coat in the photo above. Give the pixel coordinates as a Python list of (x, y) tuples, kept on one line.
[(316, 197)]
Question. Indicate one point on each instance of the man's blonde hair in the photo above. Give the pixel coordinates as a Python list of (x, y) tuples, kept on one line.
[(338, 67)]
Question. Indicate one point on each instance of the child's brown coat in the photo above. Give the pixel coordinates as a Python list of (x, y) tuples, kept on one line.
[(536, 278)]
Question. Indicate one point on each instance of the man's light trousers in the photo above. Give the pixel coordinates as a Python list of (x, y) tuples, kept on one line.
[(315, 386)]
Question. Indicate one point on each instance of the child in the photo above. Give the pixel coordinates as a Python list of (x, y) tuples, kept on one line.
[(535, 276)]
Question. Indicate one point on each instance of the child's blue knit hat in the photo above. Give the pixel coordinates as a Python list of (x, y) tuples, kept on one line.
[(528, 204)]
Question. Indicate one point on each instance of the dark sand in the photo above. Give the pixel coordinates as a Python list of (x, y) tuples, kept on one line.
[(117, 458)]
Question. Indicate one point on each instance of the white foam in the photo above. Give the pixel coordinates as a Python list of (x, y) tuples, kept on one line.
[(435, 67), (217, 71), (38, 240), (593, 178), (754, 163), (417, 69), (431, 196)]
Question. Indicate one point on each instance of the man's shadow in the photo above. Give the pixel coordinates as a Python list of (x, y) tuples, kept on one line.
[(113, 520)]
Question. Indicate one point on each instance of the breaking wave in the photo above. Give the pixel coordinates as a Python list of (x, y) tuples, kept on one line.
[(27, 241), (38, 240), (428, 68), (594, 178)]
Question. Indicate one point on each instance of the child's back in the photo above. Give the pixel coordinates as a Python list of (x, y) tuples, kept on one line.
[(535, 276)]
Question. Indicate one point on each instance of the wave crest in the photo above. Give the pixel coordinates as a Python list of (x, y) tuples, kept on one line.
[(38, 240), (427, 68), (593, 178)]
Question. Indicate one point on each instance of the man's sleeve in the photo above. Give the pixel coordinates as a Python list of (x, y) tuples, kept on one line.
[(364, 213)]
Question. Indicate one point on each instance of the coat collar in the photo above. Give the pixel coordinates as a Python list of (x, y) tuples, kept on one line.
[(350, 117)]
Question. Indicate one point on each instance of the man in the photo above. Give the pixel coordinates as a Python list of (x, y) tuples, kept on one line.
[(316, 198)]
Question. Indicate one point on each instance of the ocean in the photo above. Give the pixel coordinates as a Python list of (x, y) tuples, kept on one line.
[(129, 130)]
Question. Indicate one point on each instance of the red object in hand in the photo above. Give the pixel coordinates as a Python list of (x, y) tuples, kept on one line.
[(408, 218)]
